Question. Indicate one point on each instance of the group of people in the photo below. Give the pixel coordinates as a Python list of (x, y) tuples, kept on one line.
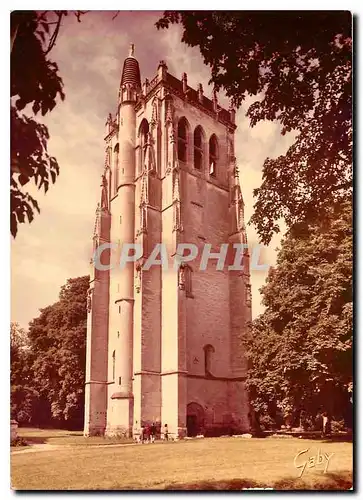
[(147, 433)]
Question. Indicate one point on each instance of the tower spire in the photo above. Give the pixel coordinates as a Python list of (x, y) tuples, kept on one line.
[(130, 86)]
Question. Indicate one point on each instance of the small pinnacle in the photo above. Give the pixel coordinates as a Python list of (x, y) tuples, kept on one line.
[(132, 50)]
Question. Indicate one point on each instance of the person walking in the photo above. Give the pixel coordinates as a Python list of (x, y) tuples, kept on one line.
[(136, 433), (142, 434), (152, 432), (147, 433), (166, 432), (325, 423)]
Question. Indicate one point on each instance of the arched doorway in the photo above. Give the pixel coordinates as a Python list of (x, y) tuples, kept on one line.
[(195, 419)]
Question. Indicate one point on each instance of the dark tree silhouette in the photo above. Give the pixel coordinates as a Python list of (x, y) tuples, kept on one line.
[(35, 82)]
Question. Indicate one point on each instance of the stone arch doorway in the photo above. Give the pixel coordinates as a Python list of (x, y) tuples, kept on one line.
[(195, 419)]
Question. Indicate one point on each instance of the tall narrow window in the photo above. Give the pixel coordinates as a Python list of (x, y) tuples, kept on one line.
[(143, 138), (198, 148), (185, 279), (208, 351), (116, 167), (182, 140), (213, 155), (113, 365), (109, 164), (188, 281)]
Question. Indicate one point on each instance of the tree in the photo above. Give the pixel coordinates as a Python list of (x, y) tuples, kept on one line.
[(300, 348), (58, 341), (35, 82), (299, 67), (23, 396)]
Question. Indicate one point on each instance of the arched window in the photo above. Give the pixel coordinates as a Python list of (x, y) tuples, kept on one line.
[(143, 139), (208, 351), (198, 148), (213, 155), (182, 139), (113, 365), (116, 173)]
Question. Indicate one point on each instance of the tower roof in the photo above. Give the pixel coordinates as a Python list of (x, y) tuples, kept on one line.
[(131, 70)]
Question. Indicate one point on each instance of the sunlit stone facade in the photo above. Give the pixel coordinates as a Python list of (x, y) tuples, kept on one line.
[(165, 345)]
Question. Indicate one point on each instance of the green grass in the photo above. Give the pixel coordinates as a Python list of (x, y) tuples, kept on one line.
[(224, 463)]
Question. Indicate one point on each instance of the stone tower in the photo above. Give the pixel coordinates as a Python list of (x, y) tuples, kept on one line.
[(164, 343)]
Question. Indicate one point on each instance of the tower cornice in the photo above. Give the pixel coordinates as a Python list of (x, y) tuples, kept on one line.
[(175, 86)]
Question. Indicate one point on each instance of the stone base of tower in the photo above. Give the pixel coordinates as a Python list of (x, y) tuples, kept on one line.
[(216, 407), (95, 409), (120, 416), (182, 433), (173, 410), (93, 430)]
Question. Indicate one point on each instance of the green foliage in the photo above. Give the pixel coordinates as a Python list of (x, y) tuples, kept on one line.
[(22, 396), (267, 423), (58, 341), (48, 363), (299, 67), (300, 348), (338, 426), (19, 441), (23, 403), (35, 83)]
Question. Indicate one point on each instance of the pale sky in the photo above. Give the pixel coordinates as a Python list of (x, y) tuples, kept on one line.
[(57, 244)]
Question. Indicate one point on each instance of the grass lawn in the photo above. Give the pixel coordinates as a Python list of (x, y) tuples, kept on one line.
[(214, 463)]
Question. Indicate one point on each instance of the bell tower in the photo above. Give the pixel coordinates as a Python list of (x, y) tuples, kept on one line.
[(164, 342)]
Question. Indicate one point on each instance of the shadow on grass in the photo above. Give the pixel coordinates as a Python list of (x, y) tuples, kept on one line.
[(48, 438), (337, 439), (35, 439), (329, 481), (45, 439)]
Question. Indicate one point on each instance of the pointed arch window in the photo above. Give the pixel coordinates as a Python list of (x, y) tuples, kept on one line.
[(182, 140), (185, 279), (143, 140), (213, 155), (189, 282), (198, 148), (113, 365), (108, 157), (116, 173), (208, 351)]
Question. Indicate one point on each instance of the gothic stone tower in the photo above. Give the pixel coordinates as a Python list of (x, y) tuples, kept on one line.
[(164, 344)]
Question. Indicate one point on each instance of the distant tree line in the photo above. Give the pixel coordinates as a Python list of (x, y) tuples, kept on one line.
[(48, 362)]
